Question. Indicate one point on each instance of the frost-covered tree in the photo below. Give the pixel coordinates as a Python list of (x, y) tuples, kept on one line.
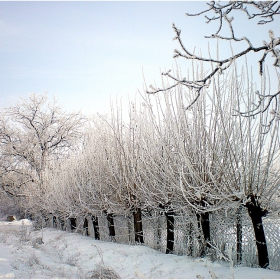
[(214, 158), (245, 171), (158, 156), (118, 151), (229, 160), (124, 165), (32, 132)]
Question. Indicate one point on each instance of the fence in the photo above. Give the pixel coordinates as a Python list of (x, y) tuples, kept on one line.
[(188, 238), (224, 233)]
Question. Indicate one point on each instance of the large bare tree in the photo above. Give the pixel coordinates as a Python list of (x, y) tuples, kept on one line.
[(32, 132)]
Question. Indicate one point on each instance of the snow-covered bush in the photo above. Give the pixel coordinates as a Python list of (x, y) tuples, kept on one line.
[(102, 272)]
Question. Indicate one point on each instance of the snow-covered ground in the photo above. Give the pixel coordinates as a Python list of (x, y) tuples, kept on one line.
[(70, 255)]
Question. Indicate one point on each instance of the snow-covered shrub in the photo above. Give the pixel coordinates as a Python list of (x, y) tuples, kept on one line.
[(72, 259), (24, 236), (102, 272)]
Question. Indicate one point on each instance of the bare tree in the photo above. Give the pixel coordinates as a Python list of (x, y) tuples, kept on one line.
[(221, 13), (31, 133), (238, 161), (218, 161), (123, 163)]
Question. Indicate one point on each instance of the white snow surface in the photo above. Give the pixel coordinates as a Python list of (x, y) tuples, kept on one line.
[(71, 255)]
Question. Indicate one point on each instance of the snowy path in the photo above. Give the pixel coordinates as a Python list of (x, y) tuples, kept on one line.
[(70, 255)]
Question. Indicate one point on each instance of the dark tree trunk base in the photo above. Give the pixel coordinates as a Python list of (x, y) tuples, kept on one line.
[(111, 226), (96, 228), (204, 224), (54, 222), (170, 231), (206, 228), (138, 229), (73, 223), (256, 213), (61, 222), (85, 226), (239, 236)]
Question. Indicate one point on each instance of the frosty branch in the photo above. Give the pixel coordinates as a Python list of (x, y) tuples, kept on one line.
[(266, 12)]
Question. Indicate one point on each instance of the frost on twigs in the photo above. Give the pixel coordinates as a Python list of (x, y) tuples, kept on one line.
[(222, 14), (102, 272)]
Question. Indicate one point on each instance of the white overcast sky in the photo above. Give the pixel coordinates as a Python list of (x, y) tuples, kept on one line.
[(85, 52)]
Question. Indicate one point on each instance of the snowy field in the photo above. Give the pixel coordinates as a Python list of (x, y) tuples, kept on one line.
[(70, 255)]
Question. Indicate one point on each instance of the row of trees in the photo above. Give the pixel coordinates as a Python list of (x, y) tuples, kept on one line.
[(192, 147), (154, 154)]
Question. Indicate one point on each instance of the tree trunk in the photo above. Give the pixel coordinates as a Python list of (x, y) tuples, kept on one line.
[(61, 222), (138, 229), (206, 227), (85, 226), (111, 226), (170, 231), (239, 236), (203, 223), (54, 222), (73, 223), (96, 228), (256, 213), (46, 220)]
